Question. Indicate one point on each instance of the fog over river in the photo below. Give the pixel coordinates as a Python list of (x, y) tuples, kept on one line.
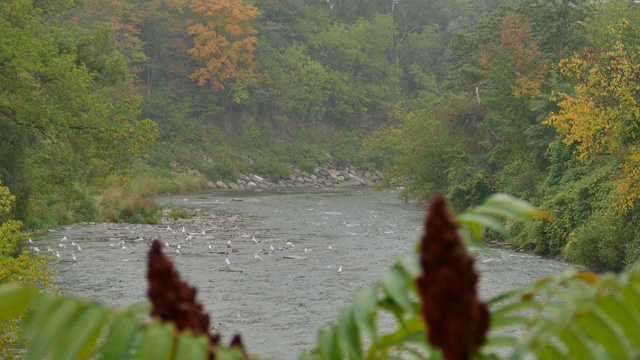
[(276, 303)]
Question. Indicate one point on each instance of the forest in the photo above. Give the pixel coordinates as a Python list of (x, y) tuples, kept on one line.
[(105, 103)]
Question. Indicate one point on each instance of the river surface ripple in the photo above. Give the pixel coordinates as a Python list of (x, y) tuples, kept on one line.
[(276, 304)]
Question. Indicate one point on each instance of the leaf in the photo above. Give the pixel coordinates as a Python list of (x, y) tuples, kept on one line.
[(328, 345), (350, 335), (120, 337), (14, 299), (576, 342), (80, 335), (364, 311), (483, 220), (624, 316), (50, 325), (156, 342), (394, 284), (602, 329), (514, 205), (191, 347)]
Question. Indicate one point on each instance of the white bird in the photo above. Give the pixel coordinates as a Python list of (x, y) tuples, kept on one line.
[(340, 268), (73, 256), (169, 228), (62, 245), (289, 243), (254, 239), (229, 242), (256, 256), (120, 243), (202, 232), (35, 249), (227, 261), (271, 248), (307, 250), (183, 229), (124, 247), (49, 250), (166, 244), (178, 246), (189, 238), (58, 255), (76, 245), (64, 239), (329, 247), (178, 250), (113, 245), (210, 248), (31, 241)]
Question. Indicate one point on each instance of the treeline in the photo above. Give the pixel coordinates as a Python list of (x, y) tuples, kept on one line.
[(535, 98), (540, 101)]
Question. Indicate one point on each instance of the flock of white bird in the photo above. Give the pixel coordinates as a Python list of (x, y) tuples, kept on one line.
[(190, 237)]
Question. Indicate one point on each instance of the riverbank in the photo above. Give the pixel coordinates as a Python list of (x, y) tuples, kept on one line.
[(323, 176)]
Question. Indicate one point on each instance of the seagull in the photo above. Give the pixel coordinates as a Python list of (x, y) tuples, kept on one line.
[(254, 239), (227, 261), (329, 247), (256, 256), (307, 250), (49, 250), (166, 244), (58, 255), (120, 243), (229, 243), (168, 228), (183, 229), (178, 246), (113, 245), (62, 245), (210, 248), (35, 249), (178, 250), (73, 256), (31, 241), (271, 248), (63, 239), (289, 243), (340, 269), (202, 232), (189, 238), (124, 247), (76, 245)]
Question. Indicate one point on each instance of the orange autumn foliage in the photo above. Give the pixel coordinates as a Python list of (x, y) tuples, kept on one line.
[(224, 41), (601, 117)]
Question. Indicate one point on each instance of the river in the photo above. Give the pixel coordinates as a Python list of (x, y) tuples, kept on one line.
[(277, 304)]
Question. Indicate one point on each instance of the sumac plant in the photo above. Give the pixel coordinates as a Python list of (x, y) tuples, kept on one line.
[(431, 293)]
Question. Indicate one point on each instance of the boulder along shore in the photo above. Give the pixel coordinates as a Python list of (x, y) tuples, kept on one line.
[(322, 176)]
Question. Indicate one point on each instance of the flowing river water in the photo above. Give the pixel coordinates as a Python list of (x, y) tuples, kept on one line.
[(277, 303)]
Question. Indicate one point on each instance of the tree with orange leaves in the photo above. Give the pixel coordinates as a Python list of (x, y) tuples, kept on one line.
[(601, 117), (223, 43)]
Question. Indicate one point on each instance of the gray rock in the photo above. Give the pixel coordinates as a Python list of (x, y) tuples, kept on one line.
[(323, 172), (233, 185), (220, 184), (251, 185)]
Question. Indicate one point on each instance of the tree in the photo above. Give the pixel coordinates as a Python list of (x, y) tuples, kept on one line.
[(55, 98), (601, 118), (224, 42)]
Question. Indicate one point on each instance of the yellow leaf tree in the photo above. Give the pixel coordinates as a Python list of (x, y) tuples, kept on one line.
[(603, 114), (223, 43)]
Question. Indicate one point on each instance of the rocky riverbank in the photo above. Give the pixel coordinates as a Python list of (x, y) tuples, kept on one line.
[(322, 176)]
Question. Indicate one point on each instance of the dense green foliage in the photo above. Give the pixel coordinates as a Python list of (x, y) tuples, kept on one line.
[(533, 98), (19, 266), (578, 315), (549, 103)]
